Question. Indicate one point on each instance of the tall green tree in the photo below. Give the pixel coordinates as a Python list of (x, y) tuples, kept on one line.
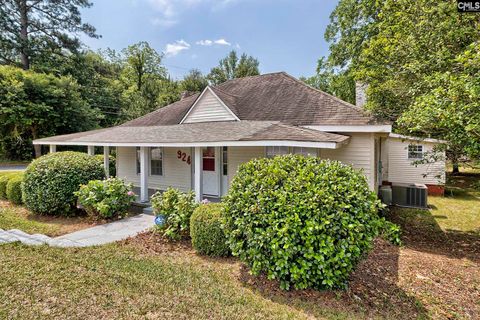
[(194, 81), (34, 28), (450, 107), (35, 105), (146, 85), (413, 41), (142, 63), (412, 56), (338, 83), (232, 67)]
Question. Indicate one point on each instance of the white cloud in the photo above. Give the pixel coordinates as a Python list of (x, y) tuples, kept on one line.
[(204, 42), (172, 49), (208, 43)]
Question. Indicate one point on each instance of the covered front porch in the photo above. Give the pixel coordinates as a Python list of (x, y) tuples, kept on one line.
[(202, 157)]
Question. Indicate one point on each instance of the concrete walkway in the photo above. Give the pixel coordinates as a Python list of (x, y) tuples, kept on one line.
[(110, 232), (13, 167), (98, 235)]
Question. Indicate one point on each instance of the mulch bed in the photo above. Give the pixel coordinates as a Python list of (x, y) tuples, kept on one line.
[(421, 279)]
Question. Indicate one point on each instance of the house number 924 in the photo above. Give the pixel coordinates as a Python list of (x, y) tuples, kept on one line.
[(183, 156)]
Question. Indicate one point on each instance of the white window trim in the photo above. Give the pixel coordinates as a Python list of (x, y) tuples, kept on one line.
[(290, 150), (415, 152), (149, 153), (150, 162)]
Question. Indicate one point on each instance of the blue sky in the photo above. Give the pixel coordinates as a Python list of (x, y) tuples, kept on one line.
[(285, 35)]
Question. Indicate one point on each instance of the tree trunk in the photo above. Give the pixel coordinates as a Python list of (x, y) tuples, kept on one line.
[(24, 57), (455, 169), (36, 147)]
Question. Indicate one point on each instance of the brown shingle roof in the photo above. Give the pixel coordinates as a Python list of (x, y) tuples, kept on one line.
[(198, 132), (269, 97)]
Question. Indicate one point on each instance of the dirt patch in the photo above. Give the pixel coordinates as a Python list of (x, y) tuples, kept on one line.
[(392, 282)]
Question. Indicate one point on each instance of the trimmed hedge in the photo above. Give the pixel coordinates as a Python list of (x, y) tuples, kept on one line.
[(112, 164), (14, 188), (51, 180), (301, 220), (3, 184), (206, 231)]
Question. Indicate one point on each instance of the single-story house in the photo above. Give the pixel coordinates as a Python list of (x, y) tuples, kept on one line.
[(198, 143)]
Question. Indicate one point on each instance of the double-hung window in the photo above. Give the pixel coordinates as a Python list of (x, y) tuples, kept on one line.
[(307, 152), (415, 151), (156, 161), (276, 151)]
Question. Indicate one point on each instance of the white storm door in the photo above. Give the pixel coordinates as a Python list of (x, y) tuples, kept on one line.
[(211, 172)]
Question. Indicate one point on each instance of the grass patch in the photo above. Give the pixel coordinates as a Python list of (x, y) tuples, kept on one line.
[(17, 217), (120, 282)]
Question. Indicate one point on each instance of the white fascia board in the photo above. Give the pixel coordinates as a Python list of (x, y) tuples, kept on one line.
[(198, 99), (418, 139), (261, 143), (361, 128)]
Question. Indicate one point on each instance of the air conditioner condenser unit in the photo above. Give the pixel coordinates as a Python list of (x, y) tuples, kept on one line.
[(410, 195)]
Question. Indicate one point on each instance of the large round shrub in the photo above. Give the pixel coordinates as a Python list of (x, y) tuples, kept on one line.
[(3, 184), (14, 188), (303, 221), (51, 180), (206, 230)]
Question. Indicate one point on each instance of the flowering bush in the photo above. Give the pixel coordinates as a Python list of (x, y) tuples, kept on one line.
[(105, 199), (177, 208)]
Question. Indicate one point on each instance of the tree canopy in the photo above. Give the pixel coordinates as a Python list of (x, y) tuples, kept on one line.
[(40, 28), (416, 58), (231, 67)]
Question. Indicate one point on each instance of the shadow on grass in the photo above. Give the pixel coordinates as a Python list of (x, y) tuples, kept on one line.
[(372, 291), (421, 232)]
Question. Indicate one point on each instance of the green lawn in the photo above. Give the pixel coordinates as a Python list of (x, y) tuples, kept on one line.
[(148, 279), (120, 282), (11, 219)]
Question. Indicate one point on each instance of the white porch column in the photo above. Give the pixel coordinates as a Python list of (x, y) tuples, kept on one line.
[(53, 148), (106, 160), (91, 150), (198, 174), (144, 169)]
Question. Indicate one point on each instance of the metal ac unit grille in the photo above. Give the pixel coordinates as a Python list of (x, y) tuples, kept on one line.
[(417, 197)]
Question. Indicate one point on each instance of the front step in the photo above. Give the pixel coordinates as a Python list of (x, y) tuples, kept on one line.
[(148, 210)]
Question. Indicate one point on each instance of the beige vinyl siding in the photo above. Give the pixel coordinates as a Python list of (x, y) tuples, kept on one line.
[(207, 109), (359, 152), (176, 173), (239, 155), (401, 170)]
